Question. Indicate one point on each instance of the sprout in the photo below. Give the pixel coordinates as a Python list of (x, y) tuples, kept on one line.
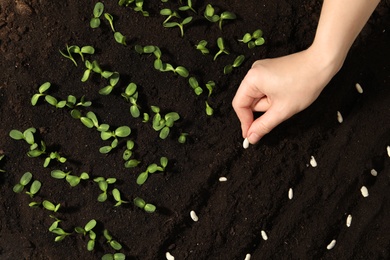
[(110, 20), (61, 234), (163, 124), (35, 187), (210, 15), (180, 25), (139, 6), (140, 203), (113, 243), (152, 168), (127, 155), (122, 131), (55, 223), (187, 7), (52, 156), (36, 152), (221, 46), (71, 102), (210, 86), (54, 102), (24, 180), (81, 51), (182, 138), (1, 158), (116, 256), (237, 62), (254, 39), (27, 135), (97, 12), (195, 86), (131, 95), (88, 230), (226, 16), (169, 13), (113, 81), (120, 38), (201, 46), (71, 179), (180, 70), (50, 206), (42, 89), (103, 186), (117, 196), (209, 110)]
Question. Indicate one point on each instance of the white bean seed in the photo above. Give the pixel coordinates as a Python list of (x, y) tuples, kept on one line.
[(264, 235), (374, 172), (248, 257), (222, 179), (169, 256), (313, 162), (349, 220), (339, 117), (388, 150), (359, 88), (290, 193), (331, 244), (245, 144), (364, 191), (194, 216)]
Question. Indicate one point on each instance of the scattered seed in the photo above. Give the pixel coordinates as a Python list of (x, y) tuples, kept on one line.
[(169, 256), (331, 244), (339, 117), (290, 193), (245, 144), (313, 162), (264, 235), (248, 257), (194, 216), (388, 150), (359, 88), (364, 191), (374, 172), (222, 179), (349, 220)]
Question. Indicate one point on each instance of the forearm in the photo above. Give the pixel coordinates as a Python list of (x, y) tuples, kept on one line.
[(340, 23)]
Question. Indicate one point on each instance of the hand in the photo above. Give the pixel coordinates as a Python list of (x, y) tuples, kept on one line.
[(280, 87)]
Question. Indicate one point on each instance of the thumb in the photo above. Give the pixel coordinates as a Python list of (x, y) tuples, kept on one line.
[(264, 124)]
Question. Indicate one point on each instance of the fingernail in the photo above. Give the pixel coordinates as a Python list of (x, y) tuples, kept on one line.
[(253, 138), (245, 144)]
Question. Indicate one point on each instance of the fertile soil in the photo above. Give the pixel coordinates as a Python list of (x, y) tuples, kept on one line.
[(231, 214)]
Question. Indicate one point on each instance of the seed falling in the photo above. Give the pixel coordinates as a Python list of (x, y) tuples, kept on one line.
[(349, 220), (194, 216), (248, 257), (339, 117), (313, 162), (388, 150), (169, 256), (359, 88), (290, 193), (331, 244), (264, 235), (364, 191), (374, 172), (222, 179), (245, 144)]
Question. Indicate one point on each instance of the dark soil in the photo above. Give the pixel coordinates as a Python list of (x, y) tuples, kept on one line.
[(232, 213)]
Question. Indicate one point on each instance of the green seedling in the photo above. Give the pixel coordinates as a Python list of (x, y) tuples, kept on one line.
[(34, 188), (71, 179), (54, 102), (42, 89), (146, 118), (120, 38), (61, 234), (169, 13), (37, 151), (195, 86), (113, 243), (55, 223), (1, 158), (122, 131), (130, 163), (27, 135), (148, 49), (71, 102), (117, 196), (147, 207), (110, 20), (89, 68), (81, 51), (210, 15), (103, 186), (69, 55), (97, 12), (222, 48), (34, 204), (50, 206), (237, 62), (210, 86), (90, 120), (209, 110), (116, 256), (163, 124), (52, 156), (112, 83), (201, 46), (180, 25), (254, 39), (187, 7), (139, 7), (88, 230), (152, 168), (131, 96), (158, 64), (182, 138), (180, 70), (24, 180)]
